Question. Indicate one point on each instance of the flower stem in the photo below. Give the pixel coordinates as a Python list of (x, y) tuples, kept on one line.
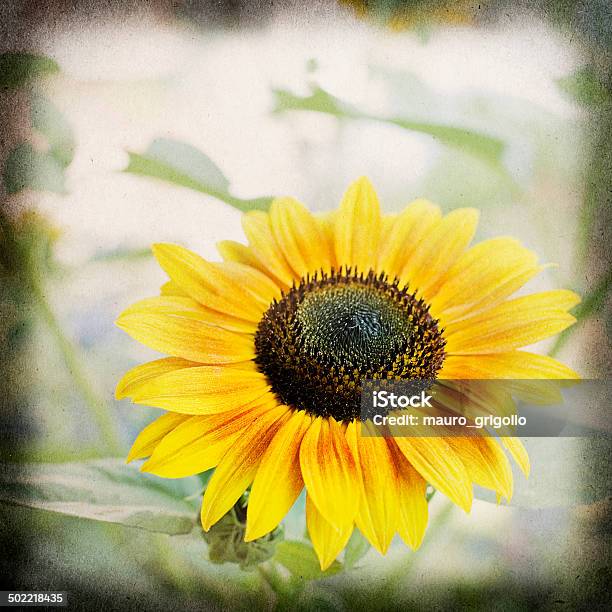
[(97, 406)]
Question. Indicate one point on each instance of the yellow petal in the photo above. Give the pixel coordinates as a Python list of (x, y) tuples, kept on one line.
[(513, 324), (237, 469), (136, 377), (181, 335), (537, 379), (168, 304), (405, 234), (387, 223), (203, 389), (378, 508), (261, 287), (506, 287), (170, 288), (515, 365), (201, 441), (518, 452), (329, 472), (439, 465), (232, 251), (438, 250), (484, 275), (152, 434), (539, 390), (358, 226), (470, 399), (299, 236), (278, 481), (327, 540), (485, 462), (258, 230), (172, 299), (413, 506), (206, 283), (327, 224), (188, 307)]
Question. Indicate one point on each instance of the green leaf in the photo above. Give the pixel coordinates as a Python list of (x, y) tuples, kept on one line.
[(301, 560), (319, 101), (104, 490), (356, 549), (181, 164), (17, 69), (476, 143), (27, 168), (584, 87), (51, 123), (189, 162)]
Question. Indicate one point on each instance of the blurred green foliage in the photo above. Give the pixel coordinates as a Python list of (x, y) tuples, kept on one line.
[(39, 167), (417, 15), (25, 167), (50, 123), (591, 87), (26, 245), (593, 302), (19, 68), (585, 87)]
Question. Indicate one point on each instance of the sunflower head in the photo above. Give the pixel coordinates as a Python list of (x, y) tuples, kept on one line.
[(329, 333), (269, 349)]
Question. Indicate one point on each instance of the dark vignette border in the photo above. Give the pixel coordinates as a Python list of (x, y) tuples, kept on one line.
[(24, 24)]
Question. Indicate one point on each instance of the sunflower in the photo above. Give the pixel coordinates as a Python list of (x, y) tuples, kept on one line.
[(269, 347)]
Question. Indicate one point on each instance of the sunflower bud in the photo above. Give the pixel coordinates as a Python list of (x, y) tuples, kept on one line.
[(226, 543)]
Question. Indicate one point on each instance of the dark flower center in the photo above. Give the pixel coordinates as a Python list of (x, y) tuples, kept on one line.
[(331, 332)]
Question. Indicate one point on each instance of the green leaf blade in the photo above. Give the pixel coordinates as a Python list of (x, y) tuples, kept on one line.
[(477, 143), (319, 101), (301, 560), (103, 490), (189, 162), (147, 166), (181, 164)]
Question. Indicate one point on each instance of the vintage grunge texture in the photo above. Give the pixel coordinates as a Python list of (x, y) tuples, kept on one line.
[(102, 565)]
